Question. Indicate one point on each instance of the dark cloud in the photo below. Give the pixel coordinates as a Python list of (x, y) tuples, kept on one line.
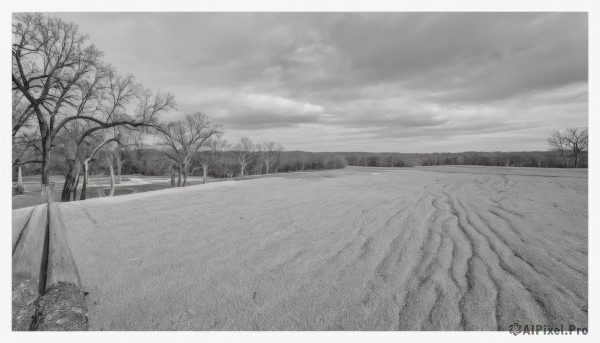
[(323, 81)]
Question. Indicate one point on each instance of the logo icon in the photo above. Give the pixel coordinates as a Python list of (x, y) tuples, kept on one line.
[(514, 328)]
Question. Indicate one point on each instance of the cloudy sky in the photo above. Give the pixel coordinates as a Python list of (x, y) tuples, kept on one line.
[(406, 82)]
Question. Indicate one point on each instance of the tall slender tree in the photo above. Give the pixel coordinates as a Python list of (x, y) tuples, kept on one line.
[(245, 152), (270, 154), (211, 155)]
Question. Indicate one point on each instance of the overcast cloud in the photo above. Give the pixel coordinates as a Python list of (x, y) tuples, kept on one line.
[(406, 82)]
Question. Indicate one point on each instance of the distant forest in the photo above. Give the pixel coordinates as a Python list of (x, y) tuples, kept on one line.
[(150, 161)]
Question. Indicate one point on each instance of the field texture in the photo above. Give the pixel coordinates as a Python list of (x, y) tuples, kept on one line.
[(438, 248)]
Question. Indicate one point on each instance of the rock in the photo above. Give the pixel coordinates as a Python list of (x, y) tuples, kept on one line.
[(61, 308)]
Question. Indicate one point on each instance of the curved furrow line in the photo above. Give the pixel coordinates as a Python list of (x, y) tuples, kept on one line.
[(489, 278), (462, 264), (365, 250), (499, 259), (520, 215), (517, 233), (568, 279), (443, 308), (385, 291), (383, 268), (558, 308), (495, 286), (528, 239), (366, 247), (459, 283), (507, 254), (433, 276)]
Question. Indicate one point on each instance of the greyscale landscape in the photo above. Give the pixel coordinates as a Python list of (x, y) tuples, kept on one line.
[(300, 172)]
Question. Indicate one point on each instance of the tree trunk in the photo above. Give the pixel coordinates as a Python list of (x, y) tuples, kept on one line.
[(20, 184), (118, 159), (172, 177), (85, 180), (242, 167), (76, 185), (184, 172), (112, 180), (73, 170), (204, 168), (179, 174), (46, 145), (575, 162)]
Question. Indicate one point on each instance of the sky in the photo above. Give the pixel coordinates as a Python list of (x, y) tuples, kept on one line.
[(377, 82)]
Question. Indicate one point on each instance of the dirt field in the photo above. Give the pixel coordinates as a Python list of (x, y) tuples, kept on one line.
[(437, 248)]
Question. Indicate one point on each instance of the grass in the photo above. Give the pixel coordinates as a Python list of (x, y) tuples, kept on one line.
[(352, 249), (32, 196)]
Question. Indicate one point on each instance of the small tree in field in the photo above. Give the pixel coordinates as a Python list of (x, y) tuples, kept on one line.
[(271, 155), (558, 143), (245, 152), (577, 142), (211, 155), (227, 161)]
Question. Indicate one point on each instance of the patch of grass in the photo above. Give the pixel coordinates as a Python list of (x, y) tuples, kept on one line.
[(33, 197)]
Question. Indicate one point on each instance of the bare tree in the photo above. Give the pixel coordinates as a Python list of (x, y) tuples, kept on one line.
[(271, 155), (25, 144), (24, 151), (110, 162), (557, 142), (577, 142), (245, 151), (104, 102), (126, 138), (181, 140), (60, 75), (91, 157), (48, 57), (228, 160), (211, 155), (22, 113), (570, 143)]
